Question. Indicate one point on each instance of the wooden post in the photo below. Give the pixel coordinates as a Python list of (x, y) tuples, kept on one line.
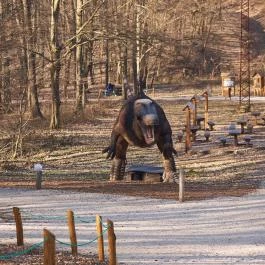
[(194, 102), (100, 238), (111, 243), (83, 95), (38, 169), (38, 180), (181, 185), (72, 233), (49, 248), (19, 226), (206, 109), (188, 131)]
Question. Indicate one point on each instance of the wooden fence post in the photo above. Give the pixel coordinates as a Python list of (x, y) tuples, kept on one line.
[(206, 109), (100, 238), (181, 185), (38, 180), (49, 248), (111, 243), (193, 100), (72, 233), (38, 169), (188, 108), (19, 226)]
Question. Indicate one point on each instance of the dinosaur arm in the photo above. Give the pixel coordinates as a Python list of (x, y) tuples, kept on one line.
[(165, 146), (111, 149)]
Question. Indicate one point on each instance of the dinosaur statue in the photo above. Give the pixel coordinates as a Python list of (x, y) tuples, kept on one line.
[(141, 122)]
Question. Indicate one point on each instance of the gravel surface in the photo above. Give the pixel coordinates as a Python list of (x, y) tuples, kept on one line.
[(225, 230), (36, 257)]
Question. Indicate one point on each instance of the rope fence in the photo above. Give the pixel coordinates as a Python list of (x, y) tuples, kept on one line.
[(21, 252), (49, 239)]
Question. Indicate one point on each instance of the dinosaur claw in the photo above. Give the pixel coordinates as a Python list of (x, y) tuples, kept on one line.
[(110, 152), (105, 150)]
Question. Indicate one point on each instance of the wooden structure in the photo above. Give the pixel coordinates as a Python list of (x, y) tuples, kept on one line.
[(188, 108), (228, 84), (144, 173), (206, 109), (111, 243), (72, 232), (258, 84), (181, 185), (19, 226), (49, 248), (194, 101), (101, 257)]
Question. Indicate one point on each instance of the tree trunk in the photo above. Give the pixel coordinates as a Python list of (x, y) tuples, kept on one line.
[(67, 76), (6, 84), (30, 21), (106, 42), (106, 62), (125, 72), (78, 53), (90, 69), (134, 53), (5, 74), (55, 66)]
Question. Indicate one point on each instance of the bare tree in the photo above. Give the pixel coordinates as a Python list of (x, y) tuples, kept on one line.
[(55, 50), (30, 20), (5, 81)]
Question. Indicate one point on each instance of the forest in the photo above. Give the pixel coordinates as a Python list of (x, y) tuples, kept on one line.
[(58, 56), (65, 49)]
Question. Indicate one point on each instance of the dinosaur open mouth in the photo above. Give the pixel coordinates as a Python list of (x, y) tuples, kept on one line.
[(148, 132), (147, 124)]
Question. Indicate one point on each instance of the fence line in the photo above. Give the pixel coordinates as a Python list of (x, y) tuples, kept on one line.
[(21, 252), (50, 239)]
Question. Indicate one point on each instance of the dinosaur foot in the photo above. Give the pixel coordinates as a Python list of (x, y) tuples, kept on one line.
[(170, 177), (117, 169)]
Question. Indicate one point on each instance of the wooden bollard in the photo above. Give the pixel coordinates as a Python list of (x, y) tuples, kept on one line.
[(181, 185), (100, 238), (19, 226), (188, 109), (206, 109), (38, 169), (193, 100), (111, 243), (38, 180), (49, 248), (72, 233)]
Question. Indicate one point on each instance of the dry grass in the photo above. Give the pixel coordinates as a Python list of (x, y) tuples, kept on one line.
[(73, 153), (35, 257)]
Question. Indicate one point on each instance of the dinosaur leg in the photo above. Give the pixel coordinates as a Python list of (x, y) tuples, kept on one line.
[(170, 174), (167, 150), (119, 161), (111, 149)]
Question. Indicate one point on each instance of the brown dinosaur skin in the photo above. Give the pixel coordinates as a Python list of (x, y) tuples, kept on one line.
[(141, 116)]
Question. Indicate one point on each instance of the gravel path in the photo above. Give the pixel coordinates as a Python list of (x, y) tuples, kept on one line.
[(149, 231)]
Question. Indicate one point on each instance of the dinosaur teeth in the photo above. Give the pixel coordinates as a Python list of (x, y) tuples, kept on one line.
[(149, 132), (149, 135)]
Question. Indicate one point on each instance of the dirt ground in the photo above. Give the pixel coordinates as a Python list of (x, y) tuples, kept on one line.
[(158, 190), (195, 189), (72, 156)]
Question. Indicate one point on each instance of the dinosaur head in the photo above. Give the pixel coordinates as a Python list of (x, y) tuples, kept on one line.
[(147, 119)]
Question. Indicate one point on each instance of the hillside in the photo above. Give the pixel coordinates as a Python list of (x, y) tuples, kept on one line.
[(227, 35)]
